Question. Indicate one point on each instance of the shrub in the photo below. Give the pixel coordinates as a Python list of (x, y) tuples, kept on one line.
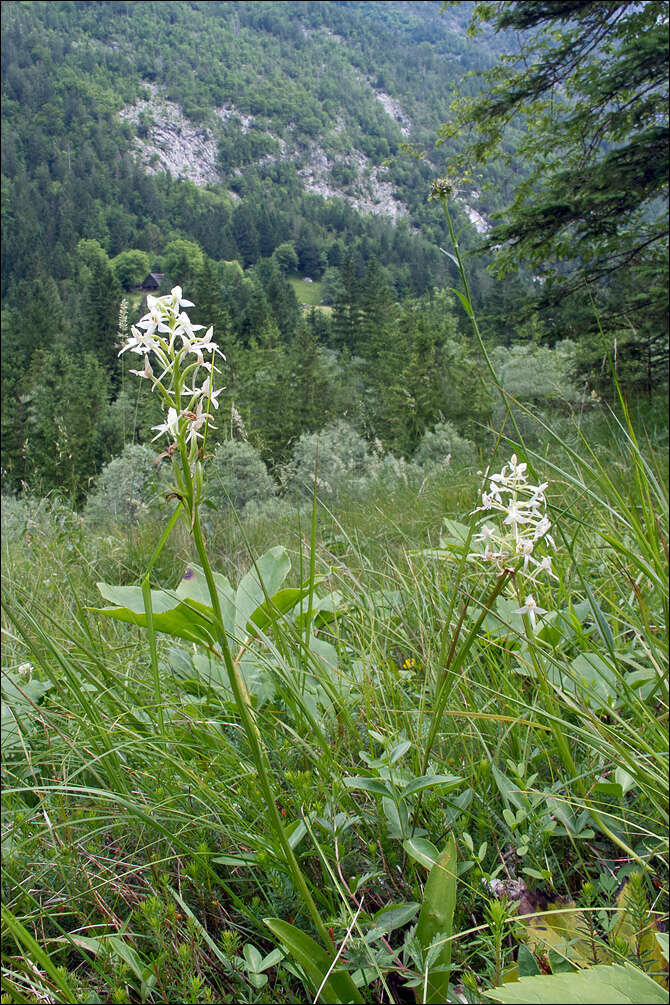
[(237, 475), (125, 487), (345, 463), (444, 446)]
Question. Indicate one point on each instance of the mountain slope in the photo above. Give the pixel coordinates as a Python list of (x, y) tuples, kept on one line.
[(310, 97)]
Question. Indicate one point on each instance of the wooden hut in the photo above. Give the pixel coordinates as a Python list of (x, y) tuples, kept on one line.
[(152, 282)]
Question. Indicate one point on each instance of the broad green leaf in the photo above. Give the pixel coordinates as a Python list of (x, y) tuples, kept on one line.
[(396, 818), (280, 603), (422, 851), (613, 985), (253, 957), (368, 785), (295, 832), (454, 536), (430, 781), (193, 586), (210, 671), (325, 652), (389, 918), (257, 678), (436, 919), (508, 789), (16, 709), (21, 694), (339, 988), (190, 621), (526, 963), (273, 567), (626, 781), (595, 675), (248, 858), (399, 751), (562, 927), (129, 956), (131, 599)]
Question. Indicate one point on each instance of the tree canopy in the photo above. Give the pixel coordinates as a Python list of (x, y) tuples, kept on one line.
[(585, 100)]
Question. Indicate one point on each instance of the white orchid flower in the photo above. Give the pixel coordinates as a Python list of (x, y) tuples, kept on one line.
[(171, 426), (531, 609)]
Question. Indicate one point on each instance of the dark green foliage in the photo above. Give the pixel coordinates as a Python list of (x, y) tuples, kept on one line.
[(83, 222), (68, 429), (589, 88), (98, 304), (130, 268)]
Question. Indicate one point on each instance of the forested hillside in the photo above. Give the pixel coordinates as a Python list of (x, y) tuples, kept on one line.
[(266, 157)]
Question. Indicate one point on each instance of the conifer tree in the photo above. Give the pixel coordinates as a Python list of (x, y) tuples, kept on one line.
[(589, 87)]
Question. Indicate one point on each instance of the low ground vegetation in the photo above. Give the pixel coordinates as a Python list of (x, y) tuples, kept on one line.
[(419, 712)]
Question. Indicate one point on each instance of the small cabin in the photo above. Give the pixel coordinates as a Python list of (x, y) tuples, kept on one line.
[(152, 282)]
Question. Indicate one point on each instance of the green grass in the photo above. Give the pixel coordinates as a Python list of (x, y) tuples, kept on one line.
[(307, 293), (143, 829)]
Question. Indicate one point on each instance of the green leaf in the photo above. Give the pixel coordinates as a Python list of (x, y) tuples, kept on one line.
[(429, 781), (615, 985), (389, 918), (602, 625), (183, 621), (368, 785), (280, 603), (253, 958), (463, 299), (396, 818), (193, 586), (593, 679), (273, 567), (434, 926), (399, 751), (508, 789), (422, 851), (339, 988), (130, 598), (526, 963)]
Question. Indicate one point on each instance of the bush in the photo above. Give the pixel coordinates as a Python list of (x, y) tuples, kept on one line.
[(125, 487), (237, 475), (538, 374), (16, 514), (345, 463), (444, 446)]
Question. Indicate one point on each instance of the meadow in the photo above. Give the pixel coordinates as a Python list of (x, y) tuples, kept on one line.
[(472, 787)]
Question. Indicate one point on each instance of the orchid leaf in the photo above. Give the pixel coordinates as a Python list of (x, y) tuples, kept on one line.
[(618, 985), (435, 922), (338, 987), (263, 580)]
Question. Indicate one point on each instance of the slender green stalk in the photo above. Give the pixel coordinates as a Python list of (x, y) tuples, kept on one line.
[(253, 735)]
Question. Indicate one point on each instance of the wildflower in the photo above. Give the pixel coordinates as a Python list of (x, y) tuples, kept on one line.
[(171, 426), (196, 420), (531, 609), (207, 392), (167, 333), (237, 427), (147, 372), (524, 525)]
